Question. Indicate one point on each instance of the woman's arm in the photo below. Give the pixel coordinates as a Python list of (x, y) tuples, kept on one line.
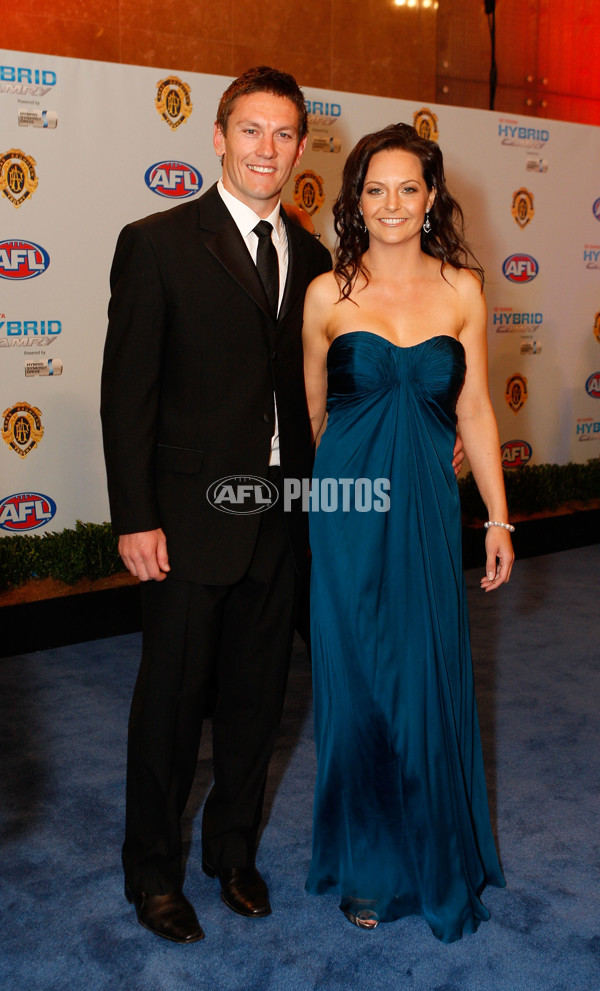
[(479, 431), (315, 343)]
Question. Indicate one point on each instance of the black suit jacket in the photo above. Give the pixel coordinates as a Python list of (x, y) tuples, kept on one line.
[(191, 363)]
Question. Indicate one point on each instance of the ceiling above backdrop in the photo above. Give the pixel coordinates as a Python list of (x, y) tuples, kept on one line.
[(430, 50)]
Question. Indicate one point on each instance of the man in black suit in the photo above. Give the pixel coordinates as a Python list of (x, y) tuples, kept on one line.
[(203, 380)]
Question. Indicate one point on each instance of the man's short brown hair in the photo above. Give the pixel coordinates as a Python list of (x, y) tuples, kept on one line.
[(263, 79)]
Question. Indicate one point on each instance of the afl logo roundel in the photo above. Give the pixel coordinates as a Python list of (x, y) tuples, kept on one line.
[(520, 268), (516, 453), (25, 511), (22, 259), (592, 386), (176, 180), (242, 495)]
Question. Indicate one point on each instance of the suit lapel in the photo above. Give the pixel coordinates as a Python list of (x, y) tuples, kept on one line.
[(227, 245), (296, 274)]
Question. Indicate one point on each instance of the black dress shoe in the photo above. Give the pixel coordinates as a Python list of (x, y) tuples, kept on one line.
[(170, 916), (242, 889)]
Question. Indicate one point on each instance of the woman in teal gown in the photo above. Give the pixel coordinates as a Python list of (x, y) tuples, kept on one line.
[(395, 361)]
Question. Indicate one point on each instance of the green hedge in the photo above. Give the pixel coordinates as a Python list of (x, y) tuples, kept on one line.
[(536, 488), (90, 550)]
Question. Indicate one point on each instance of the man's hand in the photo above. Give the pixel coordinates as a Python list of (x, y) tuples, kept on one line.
[(458, 456), (145, 554)]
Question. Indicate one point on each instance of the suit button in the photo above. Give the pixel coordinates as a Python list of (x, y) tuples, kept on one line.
[(274, 355), (267, 417)]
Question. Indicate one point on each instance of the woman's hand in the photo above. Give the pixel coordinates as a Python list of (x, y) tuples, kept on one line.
[(499, 558)]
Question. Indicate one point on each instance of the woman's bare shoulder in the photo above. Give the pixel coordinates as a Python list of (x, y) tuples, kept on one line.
[(463, 280), (323, 289)]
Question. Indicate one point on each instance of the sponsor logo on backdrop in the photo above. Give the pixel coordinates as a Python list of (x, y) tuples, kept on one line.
[(175, 180), (26, 511), (18, 180), (515, 453), (531, 347), (22, 81), (38, 118), (30, 328), (28, 333), (591, 255), (22, 428), (22, 259), (522, 207), (596, 208), (520, 268), (506, 320), (511, 132), (308, 191), (597, 327), (592, 386), (44, 367), (173, 101), (516, 392), (425, 123), (587, 428), (535, 164), (322, 113), (328, 143), (242, 495)]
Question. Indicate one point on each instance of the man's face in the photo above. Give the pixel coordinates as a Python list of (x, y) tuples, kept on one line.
[(261, 148)]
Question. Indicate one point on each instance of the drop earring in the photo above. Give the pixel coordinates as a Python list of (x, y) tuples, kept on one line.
[(427, 224)]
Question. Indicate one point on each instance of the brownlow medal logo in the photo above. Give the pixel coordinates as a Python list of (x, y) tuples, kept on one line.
[(308, 191), (425, 123), (18, 180), (522, 207), (22, 428), (173, 101), (516, 392)]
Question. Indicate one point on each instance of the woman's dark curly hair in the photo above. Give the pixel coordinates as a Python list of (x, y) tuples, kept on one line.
[(446, 240)]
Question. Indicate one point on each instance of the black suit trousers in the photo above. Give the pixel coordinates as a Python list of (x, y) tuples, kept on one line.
[(239, 635)]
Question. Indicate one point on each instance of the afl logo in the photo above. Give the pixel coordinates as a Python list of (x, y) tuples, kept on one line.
[(26, 511), (22, 259), (176, 180), (515, 453), (596, 208), (242, 495), (592, 386), (520, 268)]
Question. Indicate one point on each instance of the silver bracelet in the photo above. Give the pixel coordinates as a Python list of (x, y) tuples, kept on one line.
[(505, 526)]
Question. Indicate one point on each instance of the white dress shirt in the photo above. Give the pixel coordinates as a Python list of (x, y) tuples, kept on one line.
[(246, 220)]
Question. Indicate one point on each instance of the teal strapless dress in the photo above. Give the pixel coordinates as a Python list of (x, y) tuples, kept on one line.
[(401, 815)]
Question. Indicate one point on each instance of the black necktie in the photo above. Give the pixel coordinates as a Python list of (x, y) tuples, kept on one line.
[(267, 263)]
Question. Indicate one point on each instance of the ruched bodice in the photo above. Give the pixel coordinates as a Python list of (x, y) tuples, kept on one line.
[(401, 815), (360, 362)]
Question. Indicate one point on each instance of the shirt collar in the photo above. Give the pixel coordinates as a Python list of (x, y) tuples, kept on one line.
[(245, 218)]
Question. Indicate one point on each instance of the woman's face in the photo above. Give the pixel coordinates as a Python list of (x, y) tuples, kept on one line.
[(395, 196)]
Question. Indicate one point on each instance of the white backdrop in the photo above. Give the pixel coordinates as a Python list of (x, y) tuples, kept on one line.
[(78, 140)]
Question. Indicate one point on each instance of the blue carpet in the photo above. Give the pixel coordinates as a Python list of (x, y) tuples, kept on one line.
[(65, 924)]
